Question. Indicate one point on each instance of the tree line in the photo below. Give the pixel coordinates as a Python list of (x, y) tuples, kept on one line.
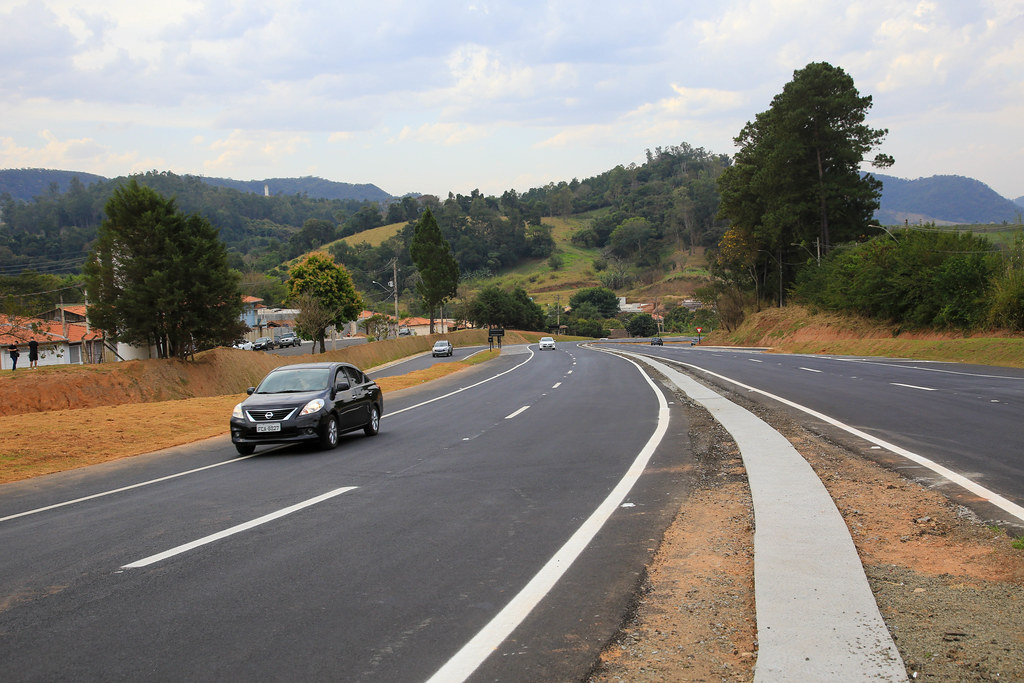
[(800, 209), (53, 232)]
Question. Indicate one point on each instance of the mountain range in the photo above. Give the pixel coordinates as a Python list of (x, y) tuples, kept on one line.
[(25, 184), (942, 199)]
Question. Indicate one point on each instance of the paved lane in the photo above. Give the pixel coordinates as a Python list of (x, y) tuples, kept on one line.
[(429, 530), (962, 417)]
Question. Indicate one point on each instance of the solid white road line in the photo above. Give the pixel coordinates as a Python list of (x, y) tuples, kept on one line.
[(483, 644), (991, 496), (125, 488), (459, 391), (235, 529)]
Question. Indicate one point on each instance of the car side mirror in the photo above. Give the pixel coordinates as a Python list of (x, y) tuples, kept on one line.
[(250, 390), (342, 386)]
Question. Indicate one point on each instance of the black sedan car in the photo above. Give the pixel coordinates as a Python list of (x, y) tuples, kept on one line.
[(657, 341), (306, 402)]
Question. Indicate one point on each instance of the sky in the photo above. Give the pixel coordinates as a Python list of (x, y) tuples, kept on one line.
[(446, 96)]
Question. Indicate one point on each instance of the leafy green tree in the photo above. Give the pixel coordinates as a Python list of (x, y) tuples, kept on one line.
[(438, 269), (630, 239), (376, 326), (679, 319), (157, 277), (1006, 309), (641, 325), (796, 177), (585, 327), (331, 287), (602, 298), (494, 306)]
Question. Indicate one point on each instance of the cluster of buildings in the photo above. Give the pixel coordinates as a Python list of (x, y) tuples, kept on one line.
[(64, 336)]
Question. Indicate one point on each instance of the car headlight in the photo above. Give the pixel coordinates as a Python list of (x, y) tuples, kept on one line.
[(313, 406), (237, 412)]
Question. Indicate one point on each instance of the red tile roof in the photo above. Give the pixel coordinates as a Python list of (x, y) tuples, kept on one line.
[(20, 331)]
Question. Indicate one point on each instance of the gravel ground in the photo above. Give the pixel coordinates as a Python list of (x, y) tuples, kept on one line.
[(951, 590)]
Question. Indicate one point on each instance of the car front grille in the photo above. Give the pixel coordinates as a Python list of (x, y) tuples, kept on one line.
[(270, 414)]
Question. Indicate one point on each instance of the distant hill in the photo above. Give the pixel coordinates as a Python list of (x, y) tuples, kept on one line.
[(942, 199), (1019, 200), (25, 184), (311, 186)]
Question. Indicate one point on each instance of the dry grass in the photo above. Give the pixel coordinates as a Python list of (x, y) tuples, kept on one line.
[(793, 329), (45, 442)]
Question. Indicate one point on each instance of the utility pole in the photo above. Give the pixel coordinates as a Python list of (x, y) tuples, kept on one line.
[(394, 279)]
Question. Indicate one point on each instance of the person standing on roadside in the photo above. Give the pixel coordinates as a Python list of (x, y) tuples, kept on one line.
[(33, 353), (14, 357)]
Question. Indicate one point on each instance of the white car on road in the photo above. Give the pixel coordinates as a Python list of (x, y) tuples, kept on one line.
[(442, 348), (547, 343)]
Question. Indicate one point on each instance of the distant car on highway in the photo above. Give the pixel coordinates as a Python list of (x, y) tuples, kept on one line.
[(307, 402), (263, 344), (287, 339), (442, 348), (657, 341), (547, 343)]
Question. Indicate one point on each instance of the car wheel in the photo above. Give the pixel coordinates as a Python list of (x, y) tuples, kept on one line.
[(245, 448), (373, 426), (329, 433)]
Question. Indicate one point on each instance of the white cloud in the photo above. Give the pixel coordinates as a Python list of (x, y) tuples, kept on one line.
[(447, 134), (246, 151), (263, 88)]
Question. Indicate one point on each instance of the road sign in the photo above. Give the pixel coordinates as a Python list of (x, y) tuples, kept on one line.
[(699, 330), (496, 332)]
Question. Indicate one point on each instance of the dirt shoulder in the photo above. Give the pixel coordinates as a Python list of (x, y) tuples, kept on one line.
[(950, 589)]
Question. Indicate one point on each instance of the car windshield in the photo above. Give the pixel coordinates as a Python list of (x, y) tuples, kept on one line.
[(441, 345), (304, 379)]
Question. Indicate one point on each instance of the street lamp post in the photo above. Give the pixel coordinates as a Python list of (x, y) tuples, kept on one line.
[(392, 290)]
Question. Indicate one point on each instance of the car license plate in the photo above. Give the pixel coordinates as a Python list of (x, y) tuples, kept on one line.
[(268, 427)]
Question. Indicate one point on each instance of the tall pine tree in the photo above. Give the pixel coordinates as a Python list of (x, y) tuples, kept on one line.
[(796, 182), (159, 278), (438, 269)]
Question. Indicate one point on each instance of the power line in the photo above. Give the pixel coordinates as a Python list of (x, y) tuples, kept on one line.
[(45, 266), (49, 291)]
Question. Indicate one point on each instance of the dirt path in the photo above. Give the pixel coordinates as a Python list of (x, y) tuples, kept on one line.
[(950, 589)]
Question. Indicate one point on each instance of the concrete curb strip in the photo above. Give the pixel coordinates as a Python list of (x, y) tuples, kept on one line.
[(817, 619)]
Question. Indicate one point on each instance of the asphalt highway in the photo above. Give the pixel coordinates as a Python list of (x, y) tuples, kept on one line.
[(964, 418), (494, 530)]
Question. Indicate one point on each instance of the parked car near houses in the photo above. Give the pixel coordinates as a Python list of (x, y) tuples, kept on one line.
[(307, 402), (547, 343), (287, 339), (442, 348), (243, 344), (263, 344)]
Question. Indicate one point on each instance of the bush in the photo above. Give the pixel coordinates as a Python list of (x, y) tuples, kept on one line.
[(913, 278)]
